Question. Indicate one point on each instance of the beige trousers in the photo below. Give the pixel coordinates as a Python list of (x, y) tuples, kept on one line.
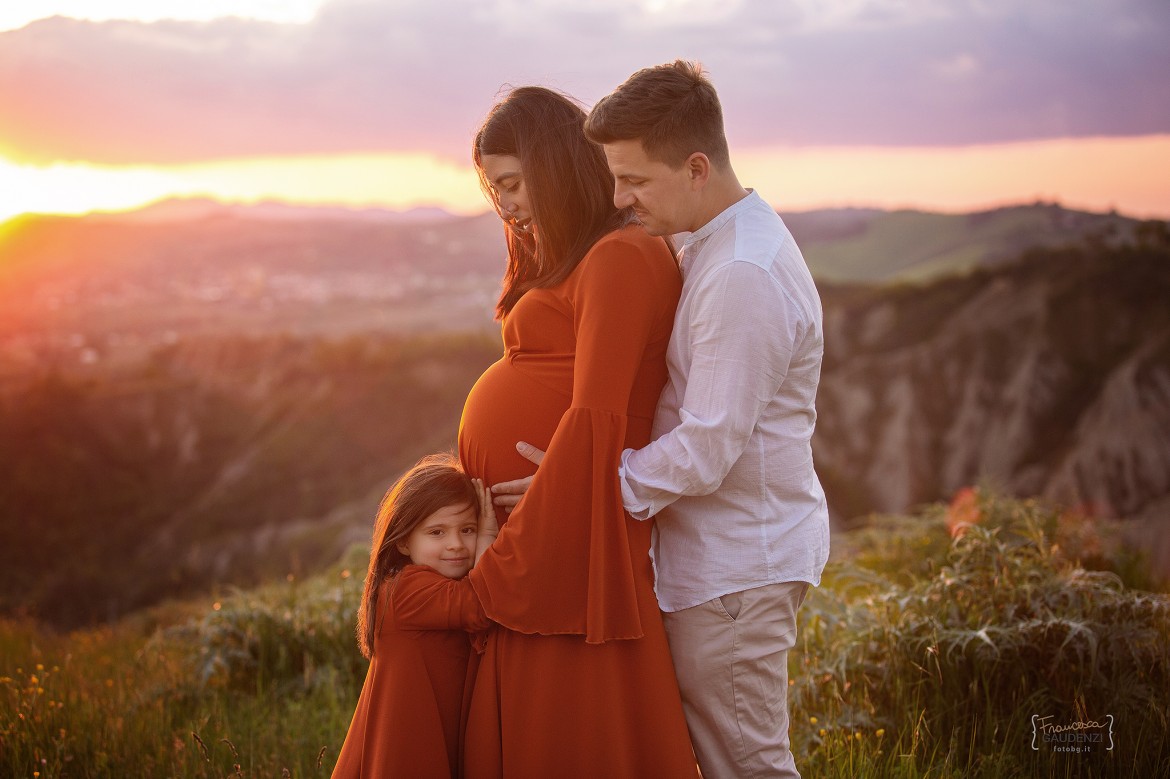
[(731, 657)]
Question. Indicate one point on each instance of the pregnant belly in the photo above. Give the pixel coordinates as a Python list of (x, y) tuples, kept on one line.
[(507, 405)]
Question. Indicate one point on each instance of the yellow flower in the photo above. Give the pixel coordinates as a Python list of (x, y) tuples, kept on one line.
[(821, 732), (812, 720), (880, 732)]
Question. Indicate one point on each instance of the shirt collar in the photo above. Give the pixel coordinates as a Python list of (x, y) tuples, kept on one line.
[(751, 200)]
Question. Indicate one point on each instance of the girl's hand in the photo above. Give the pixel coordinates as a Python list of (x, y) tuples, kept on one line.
[(489, 528)]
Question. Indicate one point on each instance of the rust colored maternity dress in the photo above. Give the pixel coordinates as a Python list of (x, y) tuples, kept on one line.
[(408, 715), (577, 679)]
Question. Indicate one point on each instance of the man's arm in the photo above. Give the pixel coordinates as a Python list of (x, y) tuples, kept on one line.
[(743, 329)]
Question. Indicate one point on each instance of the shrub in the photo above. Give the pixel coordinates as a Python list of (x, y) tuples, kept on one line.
[(287, 637), (951, 666)]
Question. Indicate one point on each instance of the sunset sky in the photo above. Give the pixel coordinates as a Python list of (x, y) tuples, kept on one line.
[(938, 104)]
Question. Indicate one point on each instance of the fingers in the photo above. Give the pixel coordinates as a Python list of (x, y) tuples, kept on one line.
[(487, 512), (516, 487), (507, 502), (483, 493), (530, 452), (507, 494)]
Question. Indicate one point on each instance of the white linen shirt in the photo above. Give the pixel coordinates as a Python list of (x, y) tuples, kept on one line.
[(729, 473)]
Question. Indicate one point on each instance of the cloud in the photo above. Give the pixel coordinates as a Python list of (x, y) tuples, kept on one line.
[(418, 75)]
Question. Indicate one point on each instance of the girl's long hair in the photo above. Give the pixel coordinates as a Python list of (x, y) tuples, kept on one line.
[(569, 186), (435, 482)]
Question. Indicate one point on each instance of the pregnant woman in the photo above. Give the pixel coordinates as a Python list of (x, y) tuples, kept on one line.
[(577, 679)]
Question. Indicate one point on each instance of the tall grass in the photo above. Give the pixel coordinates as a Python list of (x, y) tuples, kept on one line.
[(260, 684), (915, 665), (922, 655)]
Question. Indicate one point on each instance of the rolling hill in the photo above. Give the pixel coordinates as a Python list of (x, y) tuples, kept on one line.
[(192, 402)]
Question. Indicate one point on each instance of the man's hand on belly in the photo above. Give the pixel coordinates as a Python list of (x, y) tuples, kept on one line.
[(507, 494)]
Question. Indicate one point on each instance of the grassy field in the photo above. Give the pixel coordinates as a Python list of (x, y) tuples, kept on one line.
[(932, 644)]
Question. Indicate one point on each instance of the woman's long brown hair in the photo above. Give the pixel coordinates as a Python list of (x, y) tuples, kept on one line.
[(570, 188), (435, 482)]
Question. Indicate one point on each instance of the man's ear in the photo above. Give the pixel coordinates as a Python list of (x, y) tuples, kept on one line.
[(698, 170)]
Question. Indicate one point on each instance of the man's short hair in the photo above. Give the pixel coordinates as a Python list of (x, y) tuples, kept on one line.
[(672, 109)]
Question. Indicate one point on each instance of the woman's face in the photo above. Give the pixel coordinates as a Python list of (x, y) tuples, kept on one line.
[(506, 179)]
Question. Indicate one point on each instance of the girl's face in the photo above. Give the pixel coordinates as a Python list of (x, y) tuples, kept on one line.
[(506, 179), (445, 541)]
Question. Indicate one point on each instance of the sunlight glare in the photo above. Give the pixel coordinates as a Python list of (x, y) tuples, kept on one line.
[(396, 181), (1131, 175)]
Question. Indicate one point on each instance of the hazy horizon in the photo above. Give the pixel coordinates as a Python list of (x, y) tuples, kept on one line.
[(950, 106)]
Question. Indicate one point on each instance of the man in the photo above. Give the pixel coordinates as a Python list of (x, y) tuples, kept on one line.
[(742, 525)]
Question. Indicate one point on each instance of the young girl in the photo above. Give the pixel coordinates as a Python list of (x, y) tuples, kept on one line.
[(413, 624)]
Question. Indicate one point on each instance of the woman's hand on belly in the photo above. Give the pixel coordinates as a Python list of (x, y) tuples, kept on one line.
[(507, 494)]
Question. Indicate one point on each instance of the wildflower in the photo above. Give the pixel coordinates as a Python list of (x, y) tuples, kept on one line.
[(40, 667), (822, 732), (109, 682), (880, 732), (345, 574), (963, 511), (812, 720), (857, 735)]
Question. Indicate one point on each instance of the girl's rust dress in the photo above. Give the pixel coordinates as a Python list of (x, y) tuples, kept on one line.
[(407, 720), (577, 679)]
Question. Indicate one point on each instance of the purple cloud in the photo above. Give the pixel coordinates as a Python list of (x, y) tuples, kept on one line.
[(418, 75)]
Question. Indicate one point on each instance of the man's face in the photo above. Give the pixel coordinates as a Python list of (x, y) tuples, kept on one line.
[(663, 198)]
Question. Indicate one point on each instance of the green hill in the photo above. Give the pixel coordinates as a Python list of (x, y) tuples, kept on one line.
[(853, 245)]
